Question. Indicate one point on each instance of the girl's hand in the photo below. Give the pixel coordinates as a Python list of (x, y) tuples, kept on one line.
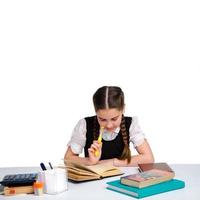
[(95, 146)]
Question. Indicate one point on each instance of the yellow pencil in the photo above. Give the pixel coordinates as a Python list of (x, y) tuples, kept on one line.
[(99, 140)]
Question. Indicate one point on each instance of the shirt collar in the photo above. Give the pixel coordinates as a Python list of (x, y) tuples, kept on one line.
[(110, 136), (115, 131)]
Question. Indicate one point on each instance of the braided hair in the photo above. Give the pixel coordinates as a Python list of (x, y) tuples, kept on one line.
[(126, 154), (108, 97)]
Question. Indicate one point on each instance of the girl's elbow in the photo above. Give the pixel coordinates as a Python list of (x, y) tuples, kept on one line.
[(150, 159), (67, 155)]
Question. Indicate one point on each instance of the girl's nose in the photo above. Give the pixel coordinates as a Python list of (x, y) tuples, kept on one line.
[(109, 125)]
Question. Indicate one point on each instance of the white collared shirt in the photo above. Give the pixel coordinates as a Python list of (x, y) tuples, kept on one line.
[(78, 138)]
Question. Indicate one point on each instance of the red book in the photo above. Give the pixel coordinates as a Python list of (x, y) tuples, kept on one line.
[(148, 166)]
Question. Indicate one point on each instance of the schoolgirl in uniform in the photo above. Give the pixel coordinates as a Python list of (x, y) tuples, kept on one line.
[(118, 132)]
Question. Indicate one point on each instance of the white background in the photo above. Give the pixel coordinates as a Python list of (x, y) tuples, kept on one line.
[(55, 54)]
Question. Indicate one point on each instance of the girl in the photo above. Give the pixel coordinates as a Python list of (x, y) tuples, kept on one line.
[(118, 132)]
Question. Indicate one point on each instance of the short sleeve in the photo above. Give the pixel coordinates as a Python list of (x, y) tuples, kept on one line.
[(78, 138), (136, 134)]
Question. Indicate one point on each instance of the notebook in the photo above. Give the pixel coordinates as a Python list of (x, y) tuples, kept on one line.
[(173, 184)]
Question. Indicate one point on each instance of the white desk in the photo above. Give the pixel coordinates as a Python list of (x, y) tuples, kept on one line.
[(96, 190)]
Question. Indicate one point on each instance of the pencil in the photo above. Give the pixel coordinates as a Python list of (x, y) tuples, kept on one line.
[(99, 140)]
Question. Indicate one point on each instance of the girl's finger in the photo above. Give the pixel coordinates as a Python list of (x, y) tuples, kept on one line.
[(91, 150), (97, 144), (95, 147)]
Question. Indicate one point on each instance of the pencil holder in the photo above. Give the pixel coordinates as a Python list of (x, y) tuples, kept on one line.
[(55, 180)]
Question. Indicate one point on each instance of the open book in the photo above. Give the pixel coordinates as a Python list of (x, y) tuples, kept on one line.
[(79, 172)]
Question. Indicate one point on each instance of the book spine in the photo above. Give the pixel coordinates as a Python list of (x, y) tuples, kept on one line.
[(8, 191)]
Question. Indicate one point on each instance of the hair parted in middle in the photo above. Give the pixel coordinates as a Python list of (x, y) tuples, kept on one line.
[(108, 97)]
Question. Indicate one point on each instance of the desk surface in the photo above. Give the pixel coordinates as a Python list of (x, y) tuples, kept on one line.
[(97, 189)]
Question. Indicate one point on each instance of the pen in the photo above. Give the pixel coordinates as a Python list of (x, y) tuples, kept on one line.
[(139, 170), (43, 166), (99, 139), (50, 165)]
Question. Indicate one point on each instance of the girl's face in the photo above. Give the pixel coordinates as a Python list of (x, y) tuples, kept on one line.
[(110, 119)]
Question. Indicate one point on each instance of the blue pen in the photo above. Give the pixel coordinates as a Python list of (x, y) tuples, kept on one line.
[(43, 166), (50, 165)]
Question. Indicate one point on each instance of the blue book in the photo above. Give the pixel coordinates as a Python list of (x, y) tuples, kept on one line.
[(173, 184)]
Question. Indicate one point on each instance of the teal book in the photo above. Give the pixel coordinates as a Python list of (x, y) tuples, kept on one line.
[(173, 184)]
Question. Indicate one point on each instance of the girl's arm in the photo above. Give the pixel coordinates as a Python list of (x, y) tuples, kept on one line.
[(144, 150), (91, 160), (145, 155), (69, 155)]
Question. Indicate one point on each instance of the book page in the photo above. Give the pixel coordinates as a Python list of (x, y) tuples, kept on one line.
[(78, 178), (78, 166), (103, 169), (81, 172)]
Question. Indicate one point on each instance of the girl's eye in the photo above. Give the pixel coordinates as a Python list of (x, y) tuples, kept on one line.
[(115, 119)]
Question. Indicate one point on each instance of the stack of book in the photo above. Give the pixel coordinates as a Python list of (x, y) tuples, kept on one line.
[(18, 183), (153, 178), (13, 190)]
